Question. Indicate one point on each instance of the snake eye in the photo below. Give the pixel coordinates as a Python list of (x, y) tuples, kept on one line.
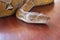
[(33, 17)]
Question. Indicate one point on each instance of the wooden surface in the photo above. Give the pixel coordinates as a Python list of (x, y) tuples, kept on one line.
[(13, 29)]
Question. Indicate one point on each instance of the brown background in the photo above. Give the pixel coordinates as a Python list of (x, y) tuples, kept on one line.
[(13, 29)]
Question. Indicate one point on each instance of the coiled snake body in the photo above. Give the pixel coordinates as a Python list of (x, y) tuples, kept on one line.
[(26, 5), (8, 7)]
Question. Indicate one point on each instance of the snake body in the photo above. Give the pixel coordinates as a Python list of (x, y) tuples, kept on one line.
[(26, 5)]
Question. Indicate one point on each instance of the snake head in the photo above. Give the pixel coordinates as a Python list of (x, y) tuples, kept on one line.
[(37, 17)]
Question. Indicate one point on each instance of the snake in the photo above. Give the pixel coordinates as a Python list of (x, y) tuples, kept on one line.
[(8, 7)]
